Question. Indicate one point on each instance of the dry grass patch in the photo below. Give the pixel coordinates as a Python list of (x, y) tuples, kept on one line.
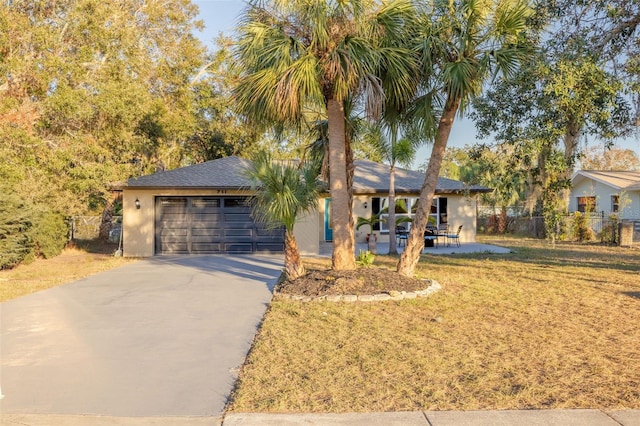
[(545, 327), (74, 263)]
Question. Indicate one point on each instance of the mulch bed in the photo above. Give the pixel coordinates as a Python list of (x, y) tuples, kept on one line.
[(368, 280)]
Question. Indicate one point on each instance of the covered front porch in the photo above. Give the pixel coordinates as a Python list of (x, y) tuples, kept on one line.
[(326, 248)]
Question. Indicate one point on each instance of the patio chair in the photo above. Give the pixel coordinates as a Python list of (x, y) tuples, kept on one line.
[(401, 235), (455, 237), (442, 231), (431, 236)]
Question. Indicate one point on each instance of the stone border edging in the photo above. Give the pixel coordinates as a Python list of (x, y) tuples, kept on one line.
[(433, 287)]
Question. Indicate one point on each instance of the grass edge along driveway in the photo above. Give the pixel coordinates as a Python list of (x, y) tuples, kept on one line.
[(75, 262)]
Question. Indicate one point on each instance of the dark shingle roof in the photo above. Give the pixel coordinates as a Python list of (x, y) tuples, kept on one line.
[(370, 178), (225, 172)]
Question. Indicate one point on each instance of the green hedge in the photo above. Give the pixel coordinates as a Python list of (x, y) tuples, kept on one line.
[(27, 231)]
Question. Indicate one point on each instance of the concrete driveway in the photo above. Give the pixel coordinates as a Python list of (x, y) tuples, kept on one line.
[(159, 337)]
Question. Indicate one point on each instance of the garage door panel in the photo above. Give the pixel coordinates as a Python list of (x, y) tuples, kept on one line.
[(174, 247), (235, 202), (270, 247), (206, 203), (198, 218), (175, 232), (206, 232), (237, 247), (211, 225), (276, 233), (173, 205), (233, 232), (206, 247), (238, 217), (176, 216)]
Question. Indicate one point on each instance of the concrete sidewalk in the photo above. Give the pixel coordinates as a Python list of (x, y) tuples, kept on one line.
[(411, 418), (445, 418)]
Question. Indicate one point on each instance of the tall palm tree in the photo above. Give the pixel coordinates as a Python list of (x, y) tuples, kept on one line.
[(318, 55), (462, 43), (284, 192), (385, 139)]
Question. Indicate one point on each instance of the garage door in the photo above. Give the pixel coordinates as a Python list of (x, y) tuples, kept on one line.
[(201, 225)]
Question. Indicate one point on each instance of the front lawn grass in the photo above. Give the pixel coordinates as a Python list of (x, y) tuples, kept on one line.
[(543, 327)]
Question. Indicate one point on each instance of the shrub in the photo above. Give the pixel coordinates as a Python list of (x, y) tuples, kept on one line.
[(16, 244), (580, 229), (609, 232), (365, 258), (49, 234), (27, 231)]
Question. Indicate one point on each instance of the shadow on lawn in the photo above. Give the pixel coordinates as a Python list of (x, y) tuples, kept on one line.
[(94, 246), (634, 294)]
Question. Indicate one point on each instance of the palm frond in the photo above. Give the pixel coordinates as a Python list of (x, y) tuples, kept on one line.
[(283, 190)]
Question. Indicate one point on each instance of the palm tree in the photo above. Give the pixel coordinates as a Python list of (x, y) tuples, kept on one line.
[(384, 137), (284, 192), (300, 56), (462, 43)]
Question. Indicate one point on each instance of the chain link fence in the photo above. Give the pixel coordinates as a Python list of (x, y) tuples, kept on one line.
[(599, 227), (88, 228)]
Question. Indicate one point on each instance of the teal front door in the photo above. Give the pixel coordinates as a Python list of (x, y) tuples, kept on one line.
[(328, 231)]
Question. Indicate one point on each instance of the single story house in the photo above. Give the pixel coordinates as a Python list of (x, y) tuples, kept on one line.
[(608, 192), (203, 209)]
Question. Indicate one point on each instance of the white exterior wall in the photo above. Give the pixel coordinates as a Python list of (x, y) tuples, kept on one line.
[(461, 210), (306, 232), (138, 238), (632, 211), (139, 224), (359, 210), (603, 193)]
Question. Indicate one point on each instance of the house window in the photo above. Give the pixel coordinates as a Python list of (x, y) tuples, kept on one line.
[(406, 207), (375, 209), (615, 203), (586, 204), (236, 202)]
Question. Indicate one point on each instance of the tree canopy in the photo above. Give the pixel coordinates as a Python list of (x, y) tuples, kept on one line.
[(579, 86), (93, 92), (306, 60), (461, 44)]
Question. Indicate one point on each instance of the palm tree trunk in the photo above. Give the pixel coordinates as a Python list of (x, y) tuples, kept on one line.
[(293, 267), (351, 168), (392, 210), (343, 257), (502, 220), (411, 255)]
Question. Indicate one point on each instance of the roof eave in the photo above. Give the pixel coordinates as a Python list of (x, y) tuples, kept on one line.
[(372, 191), (227, 188)]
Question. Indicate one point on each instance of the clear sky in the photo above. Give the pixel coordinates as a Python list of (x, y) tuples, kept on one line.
[(222, 16)]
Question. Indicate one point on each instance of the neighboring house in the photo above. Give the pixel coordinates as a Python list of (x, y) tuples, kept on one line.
[(607, 192), (203, 209)]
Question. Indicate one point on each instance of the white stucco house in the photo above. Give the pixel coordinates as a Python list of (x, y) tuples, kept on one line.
[(203, 208), (607, 192)]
